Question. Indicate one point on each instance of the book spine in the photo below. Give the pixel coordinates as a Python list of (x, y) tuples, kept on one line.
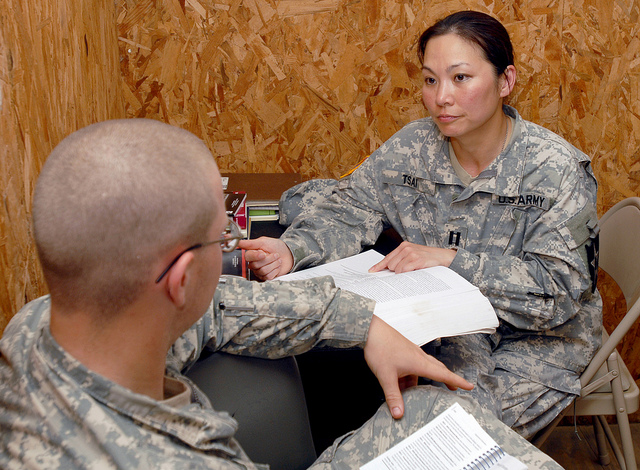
[(234, 263)]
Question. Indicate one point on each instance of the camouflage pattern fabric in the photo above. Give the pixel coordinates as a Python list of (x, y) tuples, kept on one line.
[(303, 198), (525, 231), (422, 404), (523, 403), (56, 413)]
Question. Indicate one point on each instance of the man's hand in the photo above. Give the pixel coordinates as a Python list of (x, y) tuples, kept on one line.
[(397, 363), (267, 257), (410, 257)]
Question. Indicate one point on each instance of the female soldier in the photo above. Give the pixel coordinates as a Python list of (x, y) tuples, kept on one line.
[(505, 203)]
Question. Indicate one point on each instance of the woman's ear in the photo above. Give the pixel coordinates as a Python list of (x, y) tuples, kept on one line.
[(508, 81), (178, 279)]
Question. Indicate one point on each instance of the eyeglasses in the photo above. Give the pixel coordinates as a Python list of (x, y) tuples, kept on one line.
[(229, 242)]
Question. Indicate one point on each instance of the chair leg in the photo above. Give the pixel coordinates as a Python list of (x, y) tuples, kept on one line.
[(622, 417), (603, 451), (627, 442), (613, 442)]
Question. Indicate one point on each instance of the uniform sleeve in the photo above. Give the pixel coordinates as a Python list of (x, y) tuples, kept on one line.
[(275, 319), (549, 281), (342, 224)]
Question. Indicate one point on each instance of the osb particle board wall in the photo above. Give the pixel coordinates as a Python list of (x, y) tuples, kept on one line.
[(59, 71), (309, 86)]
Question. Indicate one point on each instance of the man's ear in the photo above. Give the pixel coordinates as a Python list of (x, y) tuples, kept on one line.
[(178, 279)]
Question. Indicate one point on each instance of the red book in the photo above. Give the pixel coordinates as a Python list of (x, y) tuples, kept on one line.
[(235, 203)]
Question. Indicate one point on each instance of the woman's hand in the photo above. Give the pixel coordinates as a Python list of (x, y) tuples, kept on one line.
[(267, 257), (410, 257)]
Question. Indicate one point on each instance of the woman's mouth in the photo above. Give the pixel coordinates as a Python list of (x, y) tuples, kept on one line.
[(447, 118)]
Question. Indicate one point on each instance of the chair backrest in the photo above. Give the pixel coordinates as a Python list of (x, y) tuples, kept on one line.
[(620, 246), (267, 399), (620, 258)]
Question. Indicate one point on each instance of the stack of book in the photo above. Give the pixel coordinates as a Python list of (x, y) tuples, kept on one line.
[(263, 191), (236, 207), (252, 199)]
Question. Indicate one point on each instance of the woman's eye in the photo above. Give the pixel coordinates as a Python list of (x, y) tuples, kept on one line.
[(460, 77), (429, 80)]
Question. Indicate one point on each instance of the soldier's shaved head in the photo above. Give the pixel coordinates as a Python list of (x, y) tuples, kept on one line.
[(111, 200)]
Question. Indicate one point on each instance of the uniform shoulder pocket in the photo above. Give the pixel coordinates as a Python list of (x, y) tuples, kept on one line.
[(580, 232), (577, 230)]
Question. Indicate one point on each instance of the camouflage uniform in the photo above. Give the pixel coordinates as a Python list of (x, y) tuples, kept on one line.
[(525, 231), (55, 413), (422, 404)]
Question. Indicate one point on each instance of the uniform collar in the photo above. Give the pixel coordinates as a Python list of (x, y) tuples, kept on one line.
[(195, 426), (503, 177)]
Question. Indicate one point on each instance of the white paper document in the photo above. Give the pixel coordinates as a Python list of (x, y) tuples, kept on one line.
[(452, 441), (422, 305)]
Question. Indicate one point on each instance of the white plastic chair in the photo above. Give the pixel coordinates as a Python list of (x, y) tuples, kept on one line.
[(607, 386)]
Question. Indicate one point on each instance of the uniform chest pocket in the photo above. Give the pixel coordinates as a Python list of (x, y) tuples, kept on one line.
[(404, 190), (507, 235), (413, 208), (403, 198)]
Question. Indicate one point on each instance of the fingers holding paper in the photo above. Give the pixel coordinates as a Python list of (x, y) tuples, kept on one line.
[(397, 363)]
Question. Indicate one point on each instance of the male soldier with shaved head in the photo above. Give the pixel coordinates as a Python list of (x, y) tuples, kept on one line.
[(130, 226)]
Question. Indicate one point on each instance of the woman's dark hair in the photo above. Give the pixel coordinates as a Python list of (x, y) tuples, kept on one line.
[(477, 28)]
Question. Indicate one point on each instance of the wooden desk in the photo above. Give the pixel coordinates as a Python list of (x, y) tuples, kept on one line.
[(261, 187)]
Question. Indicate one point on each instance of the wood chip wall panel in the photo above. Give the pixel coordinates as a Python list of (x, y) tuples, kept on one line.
[(309, 86), (59, 72)]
